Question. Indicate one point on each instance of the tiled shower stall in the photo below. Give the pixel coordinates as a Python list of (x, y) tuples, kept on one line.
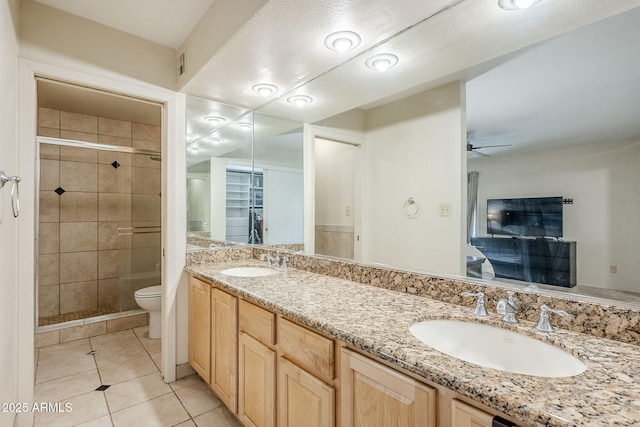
[(99, 215)]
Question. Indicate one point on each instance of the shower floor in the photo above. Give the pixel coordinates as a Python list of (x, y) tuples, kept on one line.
[(84, 314)]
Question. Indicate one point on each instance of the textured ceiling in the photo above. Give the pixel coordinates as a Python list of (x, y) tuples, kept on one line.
[(511, 92)]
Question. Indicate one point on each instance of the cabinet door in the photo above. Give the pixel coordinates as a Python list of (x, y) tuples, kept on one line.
[(374, 395), (303, 400), (256, 383), (224, 347), (200, 327), (464, 415)]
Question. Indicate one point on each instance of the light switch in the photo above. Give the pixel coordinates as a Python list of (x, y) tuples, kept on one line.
[(347, 211), (445, 210)]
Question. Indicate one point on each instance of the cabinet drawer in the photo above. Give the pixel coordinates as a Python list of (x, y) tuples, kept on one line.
[(309, 349), (258, 323)]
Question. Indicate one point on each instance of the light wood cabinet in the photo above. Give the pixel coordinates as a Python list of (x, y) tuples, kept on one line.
[(224, 347), (256, 366), (374, 395), (306, 348), (465, 415), (257, 383), (271, 371), (200, 327), (303, 400)]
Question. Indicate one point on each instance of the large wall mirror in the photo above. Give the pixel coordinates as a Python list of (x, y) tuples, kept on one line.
[(556, 119), (244, 176), (560, 120)]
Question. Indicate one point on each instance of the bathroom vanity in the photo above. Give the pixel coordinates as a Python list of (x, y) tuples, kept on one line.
[(301, 348)]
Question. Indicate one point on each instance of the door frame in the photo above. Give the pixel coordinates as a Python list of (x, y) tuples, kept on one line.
[(310, 133)]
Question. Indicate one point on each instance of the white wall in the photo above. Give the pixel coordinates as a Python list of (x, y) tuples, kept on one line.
[(8, 224), (604, 181), (415, 148)]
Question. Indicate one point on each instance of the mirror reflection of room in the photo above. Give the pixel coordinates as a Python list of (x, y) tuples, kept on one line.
[(555, 150)]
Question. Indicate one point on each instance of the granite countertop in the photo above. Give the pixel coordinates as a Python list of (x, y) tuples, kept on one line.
[(376, 321)]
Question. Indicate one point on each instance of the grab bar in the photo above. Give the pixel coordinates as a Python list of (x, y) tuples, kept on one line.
[(15, 191)]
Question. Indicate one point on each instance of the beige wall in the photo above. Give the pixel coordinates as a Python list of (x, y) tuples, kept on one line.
[(8, 224), (84, 264), (415, 148), (55, 37)]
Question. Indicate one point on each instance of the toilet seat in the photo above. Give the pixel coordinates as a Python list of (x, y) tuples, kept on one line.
[(150, 292)]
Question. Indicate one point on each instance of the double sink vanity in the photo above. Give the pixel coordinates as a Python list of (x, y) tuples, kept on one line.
[(327, 342)]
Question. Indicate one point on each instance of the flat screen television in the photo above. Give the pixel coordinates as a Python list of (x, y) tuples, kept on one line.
[(535, 216)]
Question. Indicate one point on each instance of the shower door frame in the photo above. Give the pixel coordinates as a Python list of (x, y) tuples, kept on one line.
[(130, 230)]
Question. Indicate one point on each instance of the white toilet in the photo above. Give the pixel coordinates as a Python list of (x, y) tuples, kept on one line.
[(150, 299)]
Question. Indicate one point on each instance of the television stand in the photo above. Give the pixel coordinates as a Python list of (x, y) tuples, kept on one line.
[(552, 262)]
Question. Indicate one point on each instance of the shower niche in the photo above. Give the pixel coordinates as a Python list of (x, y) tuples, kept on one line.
[(99, 204)]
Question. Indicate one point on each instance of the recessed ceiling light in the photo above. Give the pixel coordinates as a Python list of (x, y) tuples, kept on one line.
[(216, 120), (194, 148), (244, 125), (300, 100), (342, 41), (382, 62), (265, 89), (516, 4)]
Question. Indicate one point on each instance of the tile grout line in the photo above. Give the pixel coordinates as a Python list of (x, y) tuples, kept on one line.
[(162, 377)]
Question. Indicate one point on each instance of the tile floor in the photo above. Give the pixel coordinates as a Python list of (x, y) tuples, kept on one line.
[(128, 362)]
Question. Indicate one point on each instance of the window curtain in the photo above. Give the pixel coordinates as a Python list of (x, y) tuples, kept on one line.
[(472, 204)]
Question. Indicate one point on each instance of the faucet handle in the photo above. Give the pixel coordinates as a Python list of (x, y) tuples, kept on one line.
[(480, 308), (508, 308), (543, 324)]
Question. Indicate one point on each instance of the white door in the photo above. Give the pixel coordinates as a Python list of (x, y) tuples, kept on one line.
[(283, 206)]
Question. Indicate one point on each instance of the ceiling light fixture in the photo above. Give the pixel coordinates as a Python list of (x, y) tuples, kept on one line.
[(516, 4), (342, 41), (382, 62), (244, 125), (265, 89), (300, 100), (215, 120)]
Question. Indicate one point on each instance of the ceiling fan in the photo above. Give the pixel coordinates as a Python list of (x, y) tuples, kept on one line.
[(473, 149)]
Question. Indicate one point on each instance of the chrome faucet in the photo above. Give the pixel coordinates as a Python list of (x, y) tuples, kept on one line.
[(480, 308), (543, 323), (270, 259), (508, 308), (275, 261)]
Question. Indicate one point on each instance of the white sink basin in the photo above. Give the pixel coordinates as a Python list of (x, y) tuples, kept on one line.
[(249, 272), (497, 348)]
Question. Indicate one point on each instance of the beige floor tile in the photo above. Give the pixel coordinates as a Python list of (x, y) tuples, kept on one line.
[(198, 399), (116, 348), (104, 421), (86, 407), (137, 390), (161, 411), (151, 345), (157, 358), (186, 382), (220, 417), (64, 367), (67, 387), (64, 351), (188, 423), (123, 371)]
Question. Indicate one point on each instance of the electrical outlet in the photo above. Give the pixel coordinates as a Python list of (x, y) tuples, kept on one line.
[(613, 269), (347, 211), (445, 210)]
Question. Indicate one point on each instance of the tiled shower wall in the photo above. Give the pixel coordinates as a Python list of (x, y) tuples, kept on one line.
[(86, 196)]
